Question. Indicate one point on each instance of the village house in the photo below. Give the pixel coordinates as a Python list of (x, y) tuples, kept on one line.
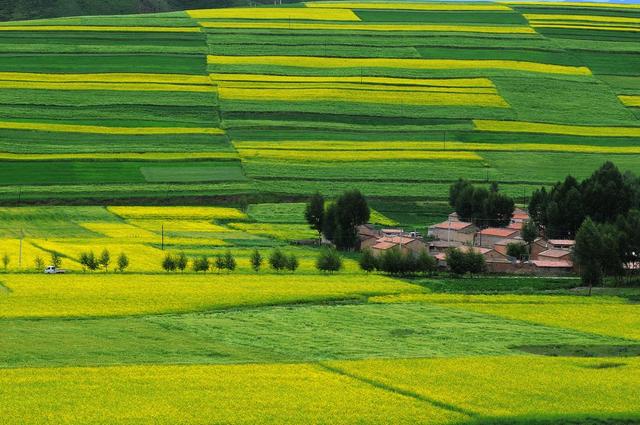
[(488, 237), (519, 216), (407, 245), (566, 244), (554, 255), (439, 246), (457, 231), (551, 268)]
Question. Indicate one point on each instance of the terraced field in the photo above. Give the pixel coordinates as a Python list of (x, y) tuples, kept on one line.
[(397, 99)]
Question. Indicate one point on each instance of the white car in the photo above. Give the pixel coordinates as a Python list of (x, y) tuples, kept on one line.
[(53, 270)]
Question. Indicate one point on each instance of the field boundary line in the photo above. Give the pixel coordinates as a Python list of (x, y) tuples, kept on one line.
[(396, 390)]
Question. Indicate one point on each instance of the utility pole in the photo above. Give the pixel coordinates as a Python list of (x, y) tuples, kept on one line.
[(163, 236)]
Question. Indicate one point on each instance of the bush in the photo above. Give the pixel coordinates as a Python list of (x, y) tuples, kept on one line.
[(89, 261), (169, 263), (56, 260), (277, 260), (329, 260), (5, 261), (182, 262), (292, 263), (368, 262), (391, 261), (38, 263), (229, 261), (105, 259), (201, 264), (461, 263), (123, 262), (425, 263), (517, 250), (256, 261), (219, 263)]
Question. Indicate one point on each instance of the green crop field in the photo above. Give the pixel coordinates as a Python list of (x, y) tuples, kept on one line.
[(203, 132), (295, 97)]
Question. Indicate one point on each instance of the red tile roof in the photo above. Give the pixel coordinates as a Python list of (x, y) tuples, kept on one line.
[(562, 242), (553, 264), (520, 216), (453, 225), (384, 245), (477, 249), (402, 240), (498, 231), (554, 253)]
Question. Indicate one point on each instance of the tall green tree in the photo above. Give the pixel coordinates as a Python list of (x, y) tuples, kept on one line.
[(588, 253), (314, 213)]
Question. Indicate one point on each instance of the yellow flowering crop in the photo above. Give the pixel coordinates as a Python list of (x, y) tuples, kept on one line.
[(11, 247), (322, 62), (512, 386), (187, 394), (122, 231), (81, 294), (308, 155), (431, 82), (93, 129), (410, 6), (373, 27), (97, 28), (630, 100), (198, 213), (193, 227), (106, 78), (543, 128), (584, 18), (295, 13), (358, 87), (364, 96)]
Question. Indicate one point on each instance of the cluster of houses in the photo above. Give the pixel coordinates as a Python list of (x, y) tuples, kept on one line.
[(547, 257)]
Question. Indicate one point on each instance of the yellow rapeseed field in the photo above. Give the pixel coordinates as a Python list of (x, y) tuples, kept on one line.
[(179, 225), (512, 386), (400, 97), (630, 100), (295, 13), (178, 213), (430, 82), (122, 231), (81, 294), (37, 85), (398, 145), (372, 27), (95, 28), (93, 129), (410, 6), (11, 247), (322, 62), (116, 77), (361, 87), (324, 155), (544, 128), (185, 394)]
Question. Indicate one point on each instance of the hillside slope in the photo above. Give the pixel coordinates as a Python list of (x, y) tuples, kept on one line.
[(395, 99), (14, 10)]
